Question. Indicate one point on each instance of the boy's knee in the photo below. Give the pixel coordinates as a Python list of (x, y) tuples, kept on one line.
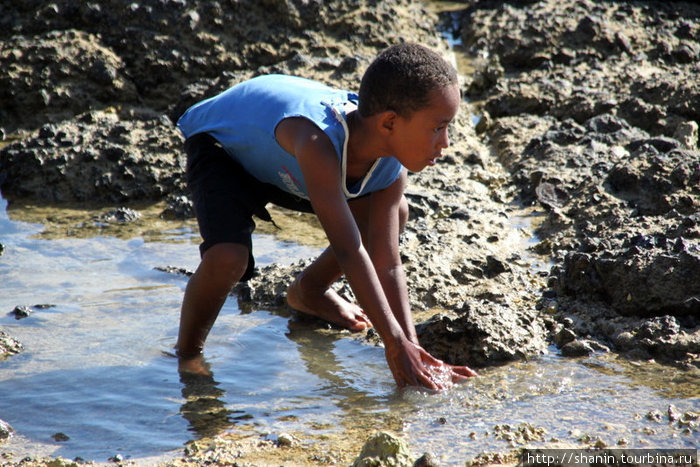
[(229, 260)]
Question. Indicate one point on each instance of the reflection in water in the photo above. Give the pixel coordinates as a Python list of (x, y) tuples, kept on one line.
[(359, 384), (316, 349), (297, 379), (204, 407)]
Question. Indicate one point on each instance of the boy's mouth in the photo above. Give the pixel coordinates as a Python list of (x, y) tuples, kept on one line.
[(432, 161)]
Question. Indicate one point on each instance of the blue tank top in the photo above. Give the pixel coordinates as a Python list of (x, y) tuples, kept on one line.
[(244, 118)]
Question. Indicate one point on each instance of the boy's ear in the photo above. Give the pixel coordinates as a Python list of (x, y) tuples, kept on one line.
[(386, 121)]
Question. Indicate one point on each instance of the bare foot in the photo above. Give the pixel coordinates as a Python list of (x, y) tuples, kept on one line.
[(328, 306), (194, 365)]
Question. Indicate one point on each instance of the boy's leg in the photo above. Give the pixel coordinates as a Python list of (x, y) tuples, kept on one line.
[(223, 197), (221, 268), (311, 291)]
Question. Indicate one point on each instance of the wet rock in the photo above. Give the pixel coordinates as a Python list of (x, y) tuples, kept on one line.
[(6, 431), (590, 109), (178, 207), (523, 433), (673, 413), (665, 326), (624, 341), (58, 57), (68, 59), (494, 266), (686, 52), (564, 337), (636, 281), (483, 336), (9, 345), (609, 152), (285, 439), (687, 134), (60, 437), (551, 196), (427, 460), (577, 348), (175, 270), (487, 74), (384, 449), (117, 458), (655, 415), (690, 422), (21, 311), (268, 287), (121, 215)]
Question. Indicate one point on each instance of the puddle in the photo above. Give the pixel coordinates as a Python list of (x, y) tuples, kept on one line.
[(94, 367)]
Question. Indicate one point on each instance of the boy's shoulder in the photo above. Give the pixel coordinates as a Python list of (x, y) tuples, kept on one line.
[(285, 92), (280, 82)]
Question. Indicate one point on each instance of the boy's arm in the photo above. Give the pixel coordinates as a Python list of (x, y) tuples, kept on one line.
[(383, 245), (319, 164)]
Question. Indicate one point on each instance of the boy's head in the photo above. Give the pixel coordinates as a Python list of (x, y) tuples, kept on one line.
[(401, 79)]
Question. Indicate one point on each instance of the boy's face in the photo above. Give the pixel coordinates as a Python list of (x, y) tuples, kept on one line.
[(419, 139)]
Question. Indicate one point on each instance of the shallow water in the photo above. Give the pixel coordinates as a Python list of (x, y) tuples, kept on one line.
[(95, 365)]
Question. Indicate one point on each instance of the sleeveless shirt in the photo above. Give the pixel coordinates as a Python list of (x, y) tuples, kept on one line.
[(244, 118)]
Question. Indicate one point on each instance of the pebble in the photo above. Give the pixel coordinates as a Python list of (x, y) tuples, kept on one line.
[(426, 460), (60, 437), (21, 311), (6, 430), (577, 348), (285, 439)]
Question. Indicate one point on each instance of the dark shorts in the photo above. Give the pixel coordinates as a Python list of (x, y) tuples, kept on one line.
[(226, 196)]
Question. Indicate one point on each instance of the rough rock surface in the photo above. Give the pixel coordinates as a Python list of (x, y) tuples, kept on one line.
[(384, 449), (99, 156), (99, 85), (593, 107), (108, 136)]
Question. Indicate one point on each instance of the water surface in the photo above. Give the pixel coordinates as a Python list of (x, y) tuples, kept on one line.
[(95, 366)]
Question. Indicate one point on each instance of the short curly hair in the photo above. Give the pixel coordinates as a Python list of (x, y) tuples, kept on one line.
[(401, 78)]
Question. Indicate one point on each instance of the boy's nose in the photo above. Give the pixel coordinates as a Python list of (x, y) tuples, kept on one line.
[(444, 140)]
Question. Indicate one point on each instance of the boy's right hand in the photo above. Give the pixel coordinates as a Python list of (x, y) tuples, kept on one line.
[(412, 365)]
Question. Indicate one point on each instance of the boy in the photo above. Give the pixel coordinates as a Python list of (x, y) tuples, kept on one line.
[(302, 145)]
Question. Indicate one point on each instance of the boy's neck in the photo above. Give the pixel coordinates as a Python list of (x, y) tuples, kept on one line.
[(364, 145)]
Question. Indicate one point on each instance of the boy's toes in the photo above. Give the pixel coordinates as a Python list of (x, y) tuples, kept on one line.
[(353, 318), (359, 325), (364, 320)]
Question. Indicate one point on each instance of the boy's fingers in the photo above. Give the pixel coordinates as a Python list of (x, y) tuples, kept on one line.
[(464, 371), (429, 383), (430, 360)]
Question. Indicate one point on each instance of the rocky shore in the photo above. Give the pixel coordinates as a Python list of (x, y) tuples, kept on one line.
[(593, 109), (581, 119)]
